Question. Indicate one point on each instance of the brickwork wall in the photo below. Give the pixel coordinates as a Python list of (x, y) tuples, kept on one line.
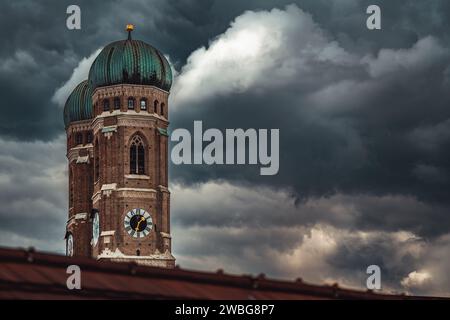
[(106, 183), (79, 152)]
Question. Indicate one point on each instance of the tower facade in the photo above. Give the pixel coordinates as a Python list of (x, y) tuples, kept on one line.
[(119, 201)]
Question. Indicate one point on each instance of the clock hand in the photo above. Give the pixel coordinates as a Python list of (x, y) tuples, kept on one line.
[(139, 222)]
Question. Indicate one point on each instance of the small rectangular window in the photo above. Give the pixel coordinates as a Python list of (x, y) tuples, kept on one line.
[(131, 104), (116, 104), (143, 104), (79, 138), (106, 105)]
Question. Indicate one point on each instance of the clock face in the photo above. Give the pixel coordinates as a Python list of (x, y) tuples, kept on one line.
[(138, 223), (69, 245), (95, 229)]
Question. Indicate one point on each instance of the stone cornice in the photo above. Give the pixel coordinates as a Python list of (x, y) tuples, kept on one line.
[(108, 189), (73, 153), (157, 259), (79, 126), (130, 118), (163, 189), (127, 89), (136, 193)]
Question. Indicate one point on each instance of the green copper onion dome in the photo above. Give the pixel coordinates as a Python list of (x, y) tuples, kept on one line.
[(79, 104), (132, 62)]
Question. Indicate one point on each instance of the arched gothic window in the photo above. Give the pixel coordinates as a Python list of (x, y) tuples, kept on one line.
[(155, 106), (163, 111), (137, 156)]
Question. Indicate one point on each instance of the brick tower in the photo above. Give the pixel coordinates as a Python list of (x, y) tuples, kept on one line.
[(119, 202)]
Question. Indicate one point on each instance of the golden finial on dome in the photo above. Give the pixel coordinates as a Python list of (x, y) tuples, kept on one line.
[(130, 27)]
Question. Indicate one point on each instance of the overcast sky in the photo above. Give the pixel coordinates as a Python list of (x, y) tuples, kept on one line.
[(364, 119)]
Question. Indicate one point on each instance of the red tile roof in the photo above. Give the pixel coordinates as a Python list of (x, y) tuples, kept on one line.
[(26, 274)]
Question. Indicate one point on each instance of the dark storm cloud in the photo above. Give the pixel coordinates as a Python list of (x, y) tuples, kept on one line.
[(363, 118), (364, 148), (33, 194), (176, 27), (317, 240), (349, 123), (401, 255), (39, 53), (262, 207), (38, 31)]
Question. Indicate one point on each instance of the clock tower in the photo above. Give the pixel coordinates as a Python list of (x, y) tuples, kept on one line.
[(124, 186)]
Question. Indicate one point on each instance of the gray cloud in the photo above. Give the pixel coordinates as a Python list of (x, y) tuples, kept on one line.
[(33, 194), (363, 118), (319, 240), (346, 120)]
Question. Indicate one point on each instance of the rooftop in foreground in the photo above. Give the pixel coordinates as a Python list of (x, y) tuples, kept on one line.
[(26, 274)]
